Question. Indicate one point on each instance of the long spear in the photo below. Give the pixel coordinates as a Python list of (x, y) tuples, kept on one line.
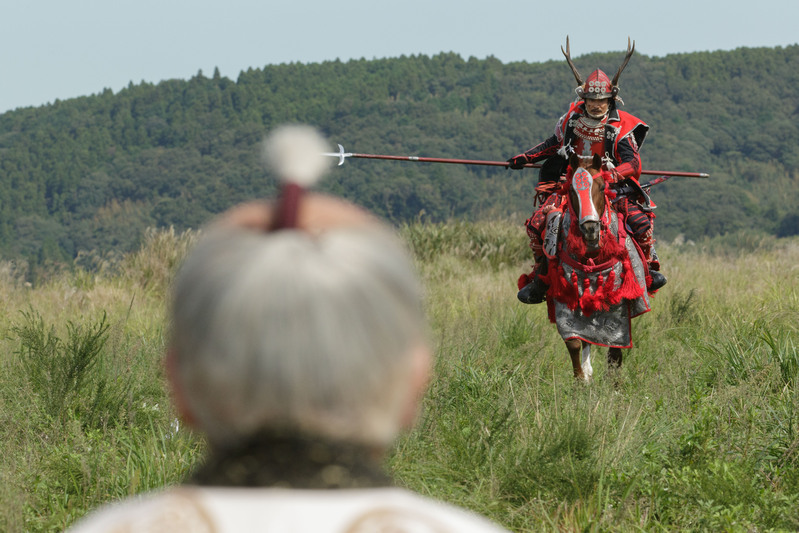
[(342, 155)]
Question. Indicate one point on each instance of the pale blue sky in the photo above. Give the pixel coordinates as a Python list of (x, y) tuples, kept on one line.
[(61, 49)]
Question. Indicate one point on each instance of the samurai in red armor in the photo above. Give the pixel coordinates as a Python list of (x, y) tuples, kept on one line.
[(592, 125)]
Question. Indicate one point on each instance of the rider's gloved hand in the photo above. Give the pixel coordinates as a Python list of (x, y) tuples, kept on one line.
[(518, 161), (615, 176)]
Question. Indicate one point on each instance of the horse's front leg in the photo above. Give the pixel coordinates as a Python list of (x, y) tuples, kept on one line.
[(578, 351)]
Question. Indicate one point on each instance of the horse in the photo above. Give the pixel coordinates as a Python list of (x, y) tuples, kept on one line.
[(597, 277)]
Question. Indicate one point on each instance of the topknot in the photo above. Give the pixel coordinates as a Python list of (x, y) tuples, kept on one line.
[(294, 152)]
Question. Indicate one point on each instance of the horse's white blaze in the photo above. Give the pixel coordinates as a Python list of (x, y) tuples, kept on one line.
[(588, 370)]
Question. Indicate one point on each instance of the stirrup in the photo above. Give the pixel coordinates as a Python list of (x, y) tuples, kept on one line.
[(658, 280), (534, 292)]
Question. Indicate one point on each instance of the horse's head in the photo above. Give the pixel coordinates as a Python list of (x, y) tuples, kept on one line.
[(587, 197)]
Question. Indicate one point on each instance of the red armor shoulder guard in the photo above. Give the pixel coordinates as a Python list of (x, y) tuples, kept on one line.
[(630, 125), (560, 128)]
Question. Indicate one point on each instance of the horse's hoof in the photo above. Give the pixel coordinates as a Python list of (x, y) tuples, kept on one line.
[(534, 292), (658, 280)]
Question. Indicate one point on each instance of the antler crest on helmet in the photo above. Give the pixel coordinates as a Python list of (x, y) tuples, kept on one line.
[(630, 50), (598, 85), (567, 53)]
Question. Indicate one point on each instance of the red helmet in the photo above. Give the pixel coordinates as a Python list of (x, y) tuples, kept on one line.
[(598, 85)]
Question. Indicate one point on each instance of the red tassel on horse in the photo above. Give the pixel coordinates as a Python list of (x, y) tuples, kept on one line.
[(560, 288), (630, 288)]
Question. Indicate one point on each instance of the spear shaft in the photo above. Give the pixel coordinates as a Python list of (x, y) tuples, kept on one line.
[(419, 159), (342, 155)]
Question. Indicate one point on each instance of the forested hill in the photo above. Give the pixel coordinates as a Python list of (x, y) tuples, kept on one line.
[(92, 173)]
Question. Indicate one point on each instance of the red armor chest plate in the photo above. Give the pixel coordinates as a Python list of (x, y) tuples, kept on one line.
[(585, 148), (589, 137)]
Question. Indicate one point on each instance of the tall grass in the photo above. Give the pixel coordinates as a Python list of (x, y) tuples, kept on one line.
[(698, 431), (84, 412), (700, 434)]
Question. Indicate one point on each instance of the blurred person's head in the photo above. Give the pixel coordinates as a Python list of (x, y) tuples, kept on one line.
[(316, 328)]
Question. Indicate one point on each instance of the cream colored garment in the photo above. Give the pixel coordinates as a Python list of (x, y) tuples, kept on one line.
[(222, 510)]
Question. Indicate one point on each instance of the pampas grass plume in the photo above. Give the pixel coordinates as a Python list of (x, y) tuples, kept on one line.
[(294, 153)]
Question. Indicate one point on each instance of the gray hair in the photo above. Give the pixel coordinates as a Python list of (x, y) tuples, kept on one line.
[(289, 330)]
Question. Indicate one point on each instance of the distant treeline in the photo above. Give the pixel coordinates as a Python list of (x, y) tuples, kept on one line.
[(91, 173)]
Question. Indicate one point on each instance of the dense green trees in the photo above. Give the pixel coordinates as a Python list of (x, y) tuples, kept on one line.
[(90, 173)]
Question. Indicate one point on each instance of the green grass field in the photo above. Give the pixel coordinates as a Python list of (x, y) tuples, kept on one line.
[(700, 431)]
